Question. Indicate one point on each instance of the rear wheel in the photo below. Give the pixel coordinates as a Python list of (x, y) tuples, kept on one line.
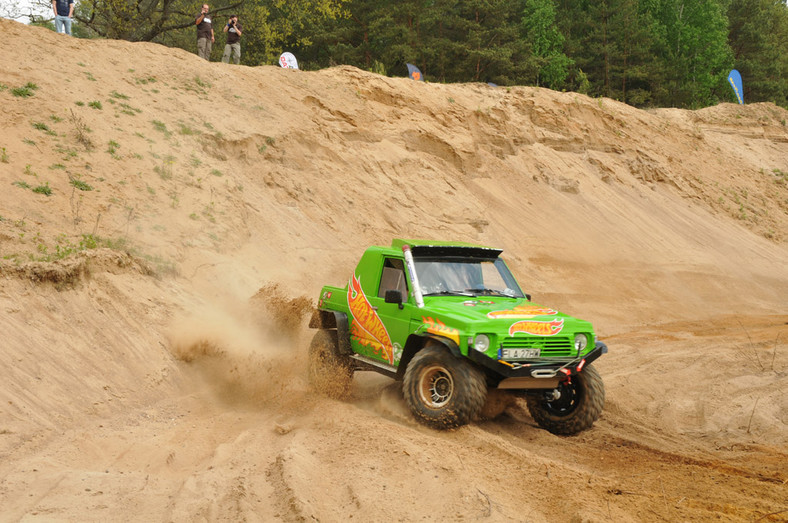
[(330, 372), (572, 407), (443, 391)]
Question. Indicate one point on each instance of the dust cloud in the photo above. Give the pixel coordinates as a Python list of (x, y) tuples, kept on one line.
[(247, 351)]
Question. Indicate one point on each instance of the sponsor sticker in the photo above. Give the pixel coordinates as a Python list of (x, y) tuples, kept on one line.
[(367, 326), (435, 326), (522, 312), (537, 328)]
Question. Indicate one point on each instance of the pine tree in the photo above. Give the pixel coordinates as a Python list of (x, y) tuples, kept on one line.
[(493, 49)]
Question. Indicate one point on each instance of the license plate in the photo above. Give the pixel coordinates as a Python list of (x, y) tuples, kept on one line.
[(520, 354)]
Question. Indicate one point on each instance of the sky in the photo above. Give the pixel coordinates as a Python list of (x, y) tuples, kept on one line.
[(12, 8)]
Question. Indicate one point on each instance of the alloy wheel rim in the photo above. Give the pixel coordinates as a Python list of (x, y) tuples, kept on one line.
[(436, 386)]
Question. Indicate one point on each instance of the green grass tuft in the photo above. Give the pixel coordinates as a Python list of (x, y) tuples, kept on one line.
[(161, 127), (202, 83), (43, 189), (25, 91), (145, 80), (112, 147), (187, 130), (79, 184)]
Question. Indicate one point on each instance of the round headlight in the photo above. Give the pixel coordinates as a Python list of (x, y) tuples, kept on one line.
[(481, 342), (581, 340)]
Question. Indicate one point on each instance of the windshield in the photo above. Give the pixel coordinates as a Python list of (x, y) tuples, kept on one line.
[(466, 277)]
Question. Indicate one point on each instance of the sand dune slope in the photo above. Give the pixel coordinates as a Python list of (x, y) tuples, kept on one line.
[(166, 223)]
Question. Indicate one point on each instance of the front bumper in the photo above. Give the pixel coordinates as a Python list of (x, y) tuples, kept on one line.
[(538, 369)]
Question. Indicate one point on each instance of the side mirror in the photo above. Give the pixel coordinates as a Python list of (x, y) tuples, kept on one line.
[(528, 297), (394, 296)]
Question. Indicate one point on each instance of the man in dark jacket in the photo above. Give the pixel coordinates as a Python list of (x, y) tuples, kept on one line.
[(233, 46), (205, 36)]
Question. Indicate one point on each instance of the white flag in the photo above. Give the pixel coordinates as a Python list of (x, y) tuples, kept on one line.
[(288, 61)]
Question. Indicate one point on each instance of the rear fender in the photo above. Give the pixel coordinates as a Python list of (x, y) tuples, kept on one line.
[(322, 319)]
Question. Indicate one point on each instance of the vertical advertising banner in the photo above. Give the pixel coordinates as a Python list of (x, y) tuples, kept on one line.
[(734, 78), (414, 73)]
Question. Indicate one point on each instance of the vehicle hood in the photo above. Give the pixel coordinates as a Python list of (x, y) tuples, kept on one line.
[(504, 316)]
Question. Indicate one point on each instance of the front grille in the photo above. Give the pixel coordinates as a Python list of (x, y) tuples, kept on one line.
[(552, 347)]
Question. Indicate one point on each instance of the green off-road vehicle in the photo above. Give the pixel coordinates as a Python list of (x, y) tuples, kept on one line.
[(449, 320)]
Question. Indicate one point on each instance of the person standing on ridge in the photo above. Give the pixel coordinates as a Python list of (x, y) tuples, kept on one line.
[(205, 36), (64, 12), (233, 46)]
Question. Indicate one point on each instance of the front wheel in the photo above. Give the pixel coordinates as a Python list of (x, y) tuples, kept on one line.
[(572, 407), (330, 372), (443, 391)]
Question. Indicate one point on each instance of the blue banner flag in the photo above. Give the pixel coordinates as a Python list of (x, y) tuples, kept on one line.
[(734, 78), (414, 73)]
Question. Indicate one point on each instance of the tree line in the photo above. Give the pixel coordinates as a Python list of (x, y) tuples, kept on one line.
[(647, 53)]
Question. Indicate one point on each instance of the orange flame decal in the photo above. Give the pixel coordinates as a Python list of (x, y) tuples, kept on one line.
[(522, 311), (366, 325), (537, 328), (435, 326)]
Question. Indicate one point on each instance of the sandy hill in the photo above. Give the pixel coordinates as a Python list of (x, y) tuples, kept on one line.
[(165, 224)]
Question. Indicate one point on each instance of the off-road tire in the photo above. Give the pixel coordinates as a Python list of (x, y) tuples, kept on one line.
[(443, 391), (330, 372), (576, 410)]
